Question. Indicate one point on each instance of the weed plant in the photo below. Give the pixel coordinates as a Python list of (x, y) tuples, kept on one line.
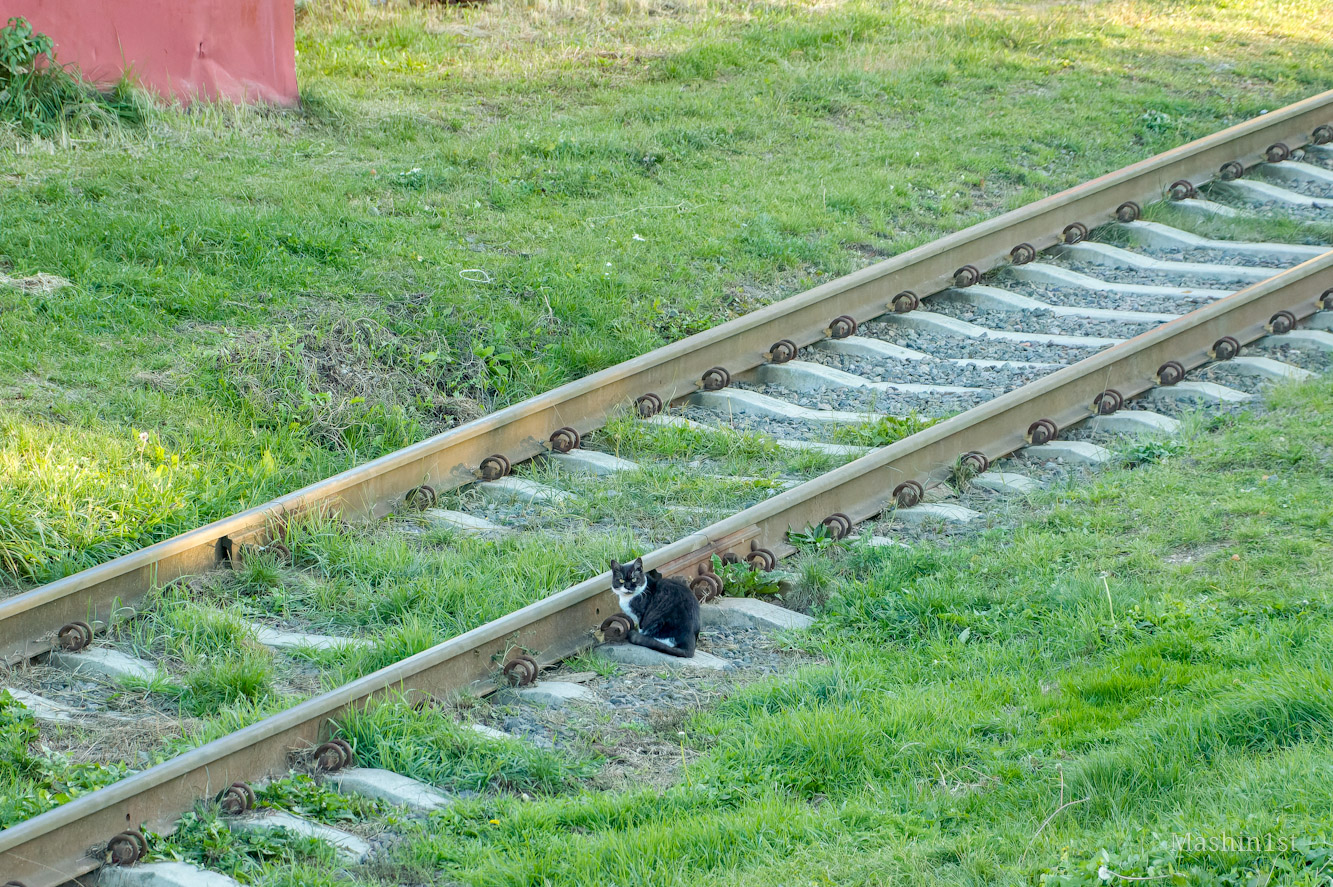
[(41, 97), (204, 838), (32, 780), (882, 431)]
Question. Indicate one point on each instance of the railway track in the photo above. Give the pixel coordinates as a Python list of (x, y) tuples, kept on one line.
[(1011, 350)]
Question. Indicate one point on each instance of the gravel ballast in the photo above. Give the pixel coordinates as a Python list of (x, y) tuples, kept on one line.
[(1273, 209), (783, 429), (1145, 277), (1306, 358), (925, 372), (869, 400), (1209, 256), (998, 509), (1040, 321), (1307, 188), (640, 696), (1076, 297), (941, 345)]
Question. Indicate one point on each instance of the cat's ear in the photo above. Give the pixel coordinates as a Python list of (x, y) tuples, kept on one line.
[(638, 563), (615, 565)]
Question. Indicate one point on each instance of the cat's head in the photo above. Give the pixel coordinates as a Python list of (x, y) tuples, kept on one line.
[(628, 579)]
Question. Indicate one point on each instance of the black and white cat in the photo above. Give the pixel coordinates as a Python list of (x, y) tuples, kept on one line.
[(664, 610)]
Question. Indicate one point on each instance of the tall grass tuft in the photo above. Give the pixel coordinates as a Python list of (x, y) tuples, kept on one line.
[(245, 675), (40, 96), (428, 747)]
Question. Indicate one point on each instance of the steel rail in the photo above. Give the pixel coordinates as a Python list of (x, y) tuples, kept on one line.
[(28, 621), (51, 848)]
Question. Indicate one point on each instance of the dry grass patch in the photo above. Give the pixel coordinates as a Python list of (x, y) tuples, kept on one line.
[(352, 384)]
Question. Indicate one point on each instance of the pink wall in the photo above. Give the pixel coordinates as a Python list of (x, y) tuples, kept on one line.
[(243, 50)]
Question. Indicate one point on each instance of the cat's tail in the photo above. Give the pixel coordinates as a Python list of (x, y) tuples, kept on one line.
[(643, 640)]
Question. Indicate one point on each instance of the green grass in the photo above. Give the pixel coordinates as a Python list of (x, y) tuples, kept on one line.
[(477, 203), (1141, 665), (434, 749), (33, 780), (226, 679), (269, 857), (303, 796), (732, 453), (374, 580), (400, 593), (207, 648), (1260, 228), (882, 431)]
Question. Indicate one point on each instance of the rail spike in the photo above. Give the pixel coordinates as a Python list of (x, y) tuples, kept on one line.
[(1224, 348), (648, 405), (904, 302), (1129, 211), (907, 494), (782, 351), (494, 467), (976, 460), (1042, 431), (236, 799), (969, 274), (839, 525), (75, 636), (521, 671), (715, 379), (333, 755), (1170, 373), (1282, 322), (1182, 189), (421, 497), (127, 848), (706, 587), (1107, 402), (279, 550), (1022, 254), (565, 439), (615, 628), (842, 326), (761, 558)]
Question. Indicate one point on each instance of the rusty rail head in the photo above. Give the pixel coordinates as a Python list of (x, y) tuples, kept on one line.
[(39, 850)]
